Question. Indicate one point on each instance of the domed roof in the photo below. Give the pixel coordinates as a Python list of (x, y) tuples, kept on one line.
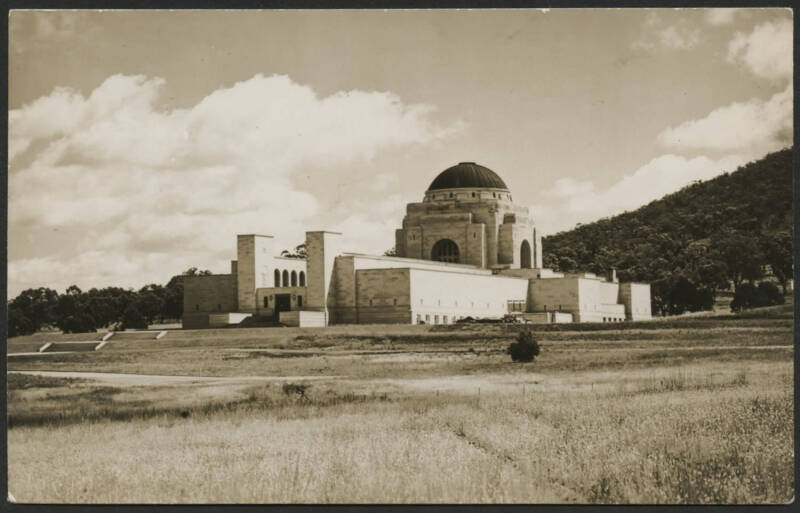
[(467, 175)]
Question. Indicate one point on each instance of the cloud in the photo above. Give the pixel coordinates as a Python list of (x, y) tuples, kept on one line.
[(135, 194), (581, 201), (721, 16), (756, 126), (655, 34), (766, 51), (680, 38)]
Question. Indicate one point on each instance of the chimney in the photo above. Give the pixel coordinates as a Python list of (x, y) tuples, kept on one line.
[(612, 276)]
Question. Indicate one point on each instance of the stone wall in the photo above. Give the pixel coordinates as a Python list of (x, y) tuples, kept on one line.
[(382, 296), (202, 295), (436, 294), (552, 293), (587, 299), (636, 298)]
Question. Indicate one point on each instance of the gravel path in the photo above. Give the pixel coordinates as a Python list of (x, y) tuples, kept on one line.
[(154, 379)]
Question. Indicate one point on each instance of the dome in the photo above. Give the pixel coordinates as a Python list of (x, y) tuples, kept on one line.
[(467, 175)]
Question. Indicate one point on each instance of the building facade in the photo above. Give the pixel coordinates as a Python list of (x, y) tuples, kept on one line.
[(466, 250)]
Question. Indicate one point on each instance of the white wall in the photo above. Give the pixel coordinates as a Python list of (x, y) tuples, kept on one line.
[(455, 294)]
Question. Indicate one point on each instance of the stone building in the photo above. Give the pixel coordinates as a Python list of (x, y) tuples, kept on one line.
[(466, 250)]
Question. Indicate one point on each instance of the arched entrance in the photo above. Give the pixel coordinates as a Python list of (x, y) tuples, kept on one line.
[(525, 255), (445, 250)]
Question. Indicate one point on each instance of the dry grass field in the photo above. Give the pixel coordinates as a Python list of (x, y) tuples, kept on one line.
[(698, 410)]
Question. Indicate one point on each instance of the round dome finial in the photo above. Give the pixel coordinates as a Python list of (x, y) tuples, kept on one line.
[(467, 175)]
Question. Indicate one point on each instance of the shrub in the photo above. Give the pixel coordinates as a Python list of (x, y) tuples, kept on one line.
[(80, 322), (748, 295), (525, 349), (296, 388), (132, 318), (771, 293)]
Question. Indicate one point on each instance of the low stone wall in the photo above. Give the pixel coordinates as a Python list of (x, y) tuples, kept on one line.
[(303, 319)]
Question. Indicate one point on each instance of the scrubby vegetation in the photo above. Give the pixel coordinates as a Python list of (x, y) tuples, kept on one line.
[(695, 242)]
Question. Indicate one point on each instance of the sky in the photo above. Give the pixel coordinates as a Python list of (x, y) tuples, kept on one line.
[(142, 142)]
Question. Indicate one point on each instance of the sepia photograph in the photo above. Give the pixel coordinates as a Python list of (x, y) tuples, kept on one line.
[(403, 256)]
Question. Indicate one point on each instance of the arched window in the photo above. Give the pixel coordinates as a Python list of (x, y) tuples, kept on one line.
[(277, 279), (445, 250), (525, 255), (285, 278), (302, 278), (294, 278)]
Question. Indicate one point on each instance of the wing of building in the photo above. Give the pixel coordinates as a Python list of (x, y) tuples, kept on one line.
[(465, 250)]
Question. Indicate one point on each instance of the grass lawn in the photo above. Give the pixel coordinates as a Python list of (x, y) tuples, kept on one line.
[(699, 411)]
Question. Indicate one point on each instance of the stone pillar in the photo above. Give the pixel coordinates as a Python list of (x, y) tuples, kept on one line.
[(253, 254), (400, 243), (537, 250), (321, 248)]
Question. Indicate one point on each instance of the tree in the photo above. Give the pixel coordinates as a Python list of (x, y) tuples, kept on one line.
[(748, 295), (778, 254), (73, 312), (192, 271), (32, 310), (133, 318), (150, 302), (78, 322), (739, 253), (390, 252), (706, 232), (685, 296), (525, 349), (299, 252), (18, 322)]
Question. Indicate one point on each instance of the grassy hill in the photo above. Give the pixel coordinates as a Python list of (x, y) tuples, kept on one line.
[(710, 233)]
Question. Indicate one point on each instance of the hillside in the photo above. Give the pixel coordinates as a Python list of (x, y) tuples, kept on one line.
[(710, 233)]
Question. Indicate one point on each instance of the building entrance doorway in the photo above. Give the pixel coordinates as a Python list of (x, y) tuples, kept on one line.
[(445, 250), (283, 303)]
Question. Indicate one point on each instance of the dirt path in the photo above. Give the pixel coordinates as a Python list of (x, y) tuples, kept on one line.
[(154, 379)]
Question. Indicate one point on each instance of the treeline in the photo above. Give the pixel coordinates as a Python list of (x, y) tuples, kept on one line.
[(77, 311), (729, 231)]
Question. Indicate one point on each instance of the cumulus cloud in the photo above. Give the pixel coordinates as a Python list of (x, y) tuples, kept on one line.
[(581, 201), (766, 51), (134, 193), (755, 125)]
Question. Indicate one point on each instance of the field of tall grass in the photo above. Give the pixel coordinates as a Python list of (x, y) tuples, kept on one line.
[(678, 415)]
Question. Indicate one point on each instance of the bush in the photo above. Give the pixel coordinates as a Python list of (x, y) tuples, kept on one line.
[(525, 349), (296, 388), (771, 293), (748, 295), (685, 296), (80, 322), (132, 319)]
